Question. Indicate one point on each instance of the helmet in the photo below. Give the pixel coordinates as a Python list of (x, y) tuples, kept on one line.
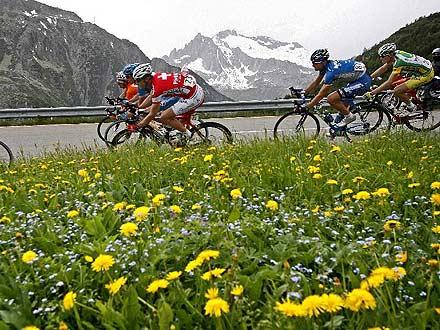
[(387, 49), (436, 54), (121, 77), (319, 56), (128, 69), (142, 70)]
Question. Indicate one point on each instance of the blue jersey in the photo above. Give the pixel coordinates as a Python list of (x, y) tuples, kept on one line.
[(346, 70)]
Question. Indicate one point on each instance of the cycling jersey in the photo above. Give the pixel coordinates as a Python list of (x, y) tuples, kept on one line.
[(172, 84), (347, 70), (130, 91), (411, 65)]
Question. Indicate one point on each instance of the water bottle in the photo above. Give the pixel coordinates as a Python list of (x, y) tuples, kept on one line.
[(328, 118)]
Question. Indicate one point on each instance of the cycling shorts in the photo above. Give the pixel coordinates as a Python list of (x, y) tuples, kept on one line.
[(355, 88), (416, 82), (185, 105)]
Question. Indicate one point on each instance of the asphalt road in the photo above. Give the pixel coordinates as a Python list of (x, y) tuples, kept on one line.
[(38, 140)]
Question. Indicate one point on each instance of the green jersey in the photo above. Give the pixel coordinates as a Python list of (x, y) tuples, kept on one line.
[(410, 64)]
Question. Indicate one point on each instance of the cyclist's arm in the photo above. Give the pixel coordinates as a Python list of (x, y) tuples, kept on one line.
[(381, 70), (386, 85), (314, 84), (144, 101), (153, 110), (122, 96), (134, 98), (323, 92)]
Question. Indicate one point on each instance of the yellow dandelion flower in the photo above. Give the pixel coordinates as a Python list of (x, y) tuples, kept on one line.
[(103, 263), (215, 307), (211, 293), (332, 182), (178, 189), (317, 158), (196, 207), (206, 276), (410, 175), (193, 264), (175, 209), (128, 229), (391, 225), (272, 205), (339, 208), (398, 273), (315, 209), (313, 305), (141, 213), (435, 199), (173, 275), (119, 206), (289, 308), (360, 299), (335, 149), (313, 169), (317, 176), (435, 185), (30, 327), (347, 191), (358, 179), (88, 258), (373, 281), (83, 173), (69, 300), (413, 185), (156, 285), (217, 272), (158, 199), (292, 159), (402, 256), (115, 286), (208, 254), (72, 214), (362, 195), (28, 257), (63, 326), (433, 263), (381, 192), (332, 303), (237, 290), (208, 158), (236, 193), (390, 162)]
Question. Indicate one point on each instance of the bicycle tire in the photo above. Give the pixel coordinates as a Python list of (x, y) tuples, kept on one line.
[(429, 122), (291, 125), (126, 137), (210, 133), (367, 121), (113, 127), (101, 129), (6, 156)]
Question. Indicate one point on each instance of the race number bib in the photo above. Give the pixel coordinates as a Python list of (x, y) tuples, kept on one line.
[(189, 81)]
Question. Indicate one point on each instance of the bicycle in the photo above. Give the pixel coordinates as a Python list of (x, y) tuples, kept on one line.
[(206, 133), (117, 110), (427, 99), (6, 156), (305, 122)]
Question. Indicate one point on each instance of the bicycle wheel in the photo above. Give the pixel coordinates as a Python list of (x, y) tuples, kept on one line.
[(127, 137), (103, 125), (369, 117), (6, 156), (112, 130), (293, 124), (210, 133), (425, 120)]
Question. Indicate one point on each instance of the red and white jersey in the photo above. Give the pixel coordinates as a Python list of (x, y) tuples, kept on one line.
[(173, 85)]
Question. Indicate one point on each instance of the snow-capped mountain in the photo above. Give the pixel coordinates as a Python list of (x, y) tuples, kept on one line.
[(246, 68)]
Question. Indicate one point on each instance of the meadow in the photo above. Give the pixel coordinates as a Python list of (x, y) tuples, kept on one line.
[(300, 234)]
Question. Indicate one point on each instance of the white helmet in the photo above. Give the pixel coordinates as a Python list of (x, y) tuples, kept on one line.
[(387, 49), (142, 70), (121, 77)]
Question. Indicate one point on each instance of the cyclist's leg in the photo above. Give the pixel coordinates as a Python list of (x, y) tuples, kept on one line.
[(168, 117), (335, 101), (401, 90)]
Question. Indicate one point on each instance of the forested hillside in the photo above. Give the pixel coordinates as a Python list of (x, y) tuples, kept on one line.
[(419, 37)]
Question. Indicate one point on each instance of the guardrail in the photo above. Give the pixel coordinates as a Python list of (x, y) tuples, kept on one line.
[(209, 107)]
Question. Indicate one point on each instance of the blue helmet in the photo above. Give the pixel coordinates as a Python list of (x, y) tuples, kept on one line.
[(128, 69)]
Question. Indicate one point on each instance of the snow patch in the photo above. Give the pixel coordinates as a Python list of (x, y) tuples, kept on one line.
[(33, 13), (111, 44), (179, 60), (45, 27), (198, 66)]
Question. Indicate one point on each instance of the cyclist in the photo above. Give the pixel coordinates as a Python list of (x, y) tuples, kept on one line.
[(130, 90), (436, 61), (416, 67), (330, 71), (181, 87), (128, 72)]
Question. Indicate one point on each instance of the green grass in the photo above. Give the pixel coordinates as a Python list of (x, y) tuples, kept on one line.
[(318, 238)]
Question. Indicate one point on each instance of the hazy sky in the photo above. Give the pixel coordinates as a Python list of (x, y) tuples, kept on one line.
[(345, 27)]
